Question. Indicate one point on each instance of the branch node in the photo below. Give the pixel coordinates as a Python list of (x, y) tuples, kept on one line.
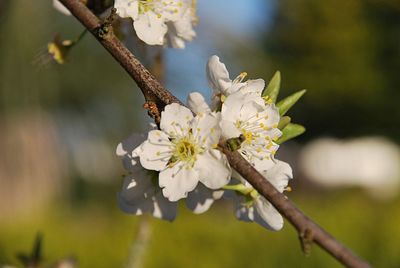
[(104, 31), (306, 240), (153, 111)]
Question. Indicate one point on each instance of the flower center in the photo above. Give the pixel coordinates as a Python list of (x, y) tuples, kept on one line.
[(247, 130), (147, 5), (248, 136), (160, 6), (185, 151)]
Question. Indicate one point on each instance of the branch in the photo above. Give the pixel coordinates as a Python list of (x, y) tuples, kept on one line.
[(309, 231), (154, 93)]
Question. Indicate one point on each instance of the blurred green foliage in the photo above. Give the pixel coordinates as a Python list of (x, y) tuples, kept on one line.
[(99, 235), (91, 85), (347, 54)]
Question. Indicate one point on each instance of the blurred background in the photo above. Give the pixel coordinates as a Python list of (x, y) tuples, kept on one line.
[(60, 124)]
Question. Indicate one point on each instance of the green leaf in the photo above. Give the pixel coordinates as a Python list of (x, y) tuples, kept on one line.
[(291, 131), (285, 120), (272, 90), (287, 103)]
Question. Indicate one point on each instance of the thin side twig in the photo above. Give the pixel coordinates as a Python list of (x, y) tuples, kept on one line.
[(308, 230)]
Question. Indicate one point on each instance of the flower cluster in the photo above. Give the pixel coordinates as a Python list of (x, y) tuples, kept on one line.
[(156, 22), (181, 160), (159, 22)]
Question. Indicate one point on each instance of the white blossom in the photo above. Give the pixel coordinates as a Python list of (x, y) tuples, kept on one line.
[(222, 86), (197, 103), (158, 22), (139, 195), (201, 199), (60, 7), (184, 151), (254, 207), (247, 116), (140, 192)]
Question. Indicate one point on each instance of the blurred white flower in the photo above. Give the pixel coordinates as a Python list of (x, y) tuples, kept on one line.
[(246, 115), (153, 19), (184, 152), (201, 198), (223, 86), (181, 31), (254, 207), (60, 7), (140, 192), (369, 162)]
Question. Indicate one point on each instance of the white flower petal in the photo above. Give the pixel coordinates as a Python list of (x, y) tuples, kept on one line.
[(164, 209), (183, 26), (127, 8), (232, 106), (172, 10), (267, 215), (126, 149), (139, 196), (178, 181), (175, 120), (273, 133), (156, 151), (250, 110), (262, 165), (229, 130), (175, 41), (261, 212), (235, 87), (241, 106), (244, 213), (273, 115), (201, 198), (206, 129), (121, 151), (137, 186), (197, 103), (279, 175), (158, 137), (153, 19), (150, 29), (254, 86), (237, 178), (217, 75), (214, 170)]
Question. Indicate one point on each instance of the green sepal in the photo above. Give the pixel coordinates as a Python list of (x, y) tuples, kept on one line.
[(285, 120), (287, 103), (235, 143), (272, 90), (240, 188), (291, 131)]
